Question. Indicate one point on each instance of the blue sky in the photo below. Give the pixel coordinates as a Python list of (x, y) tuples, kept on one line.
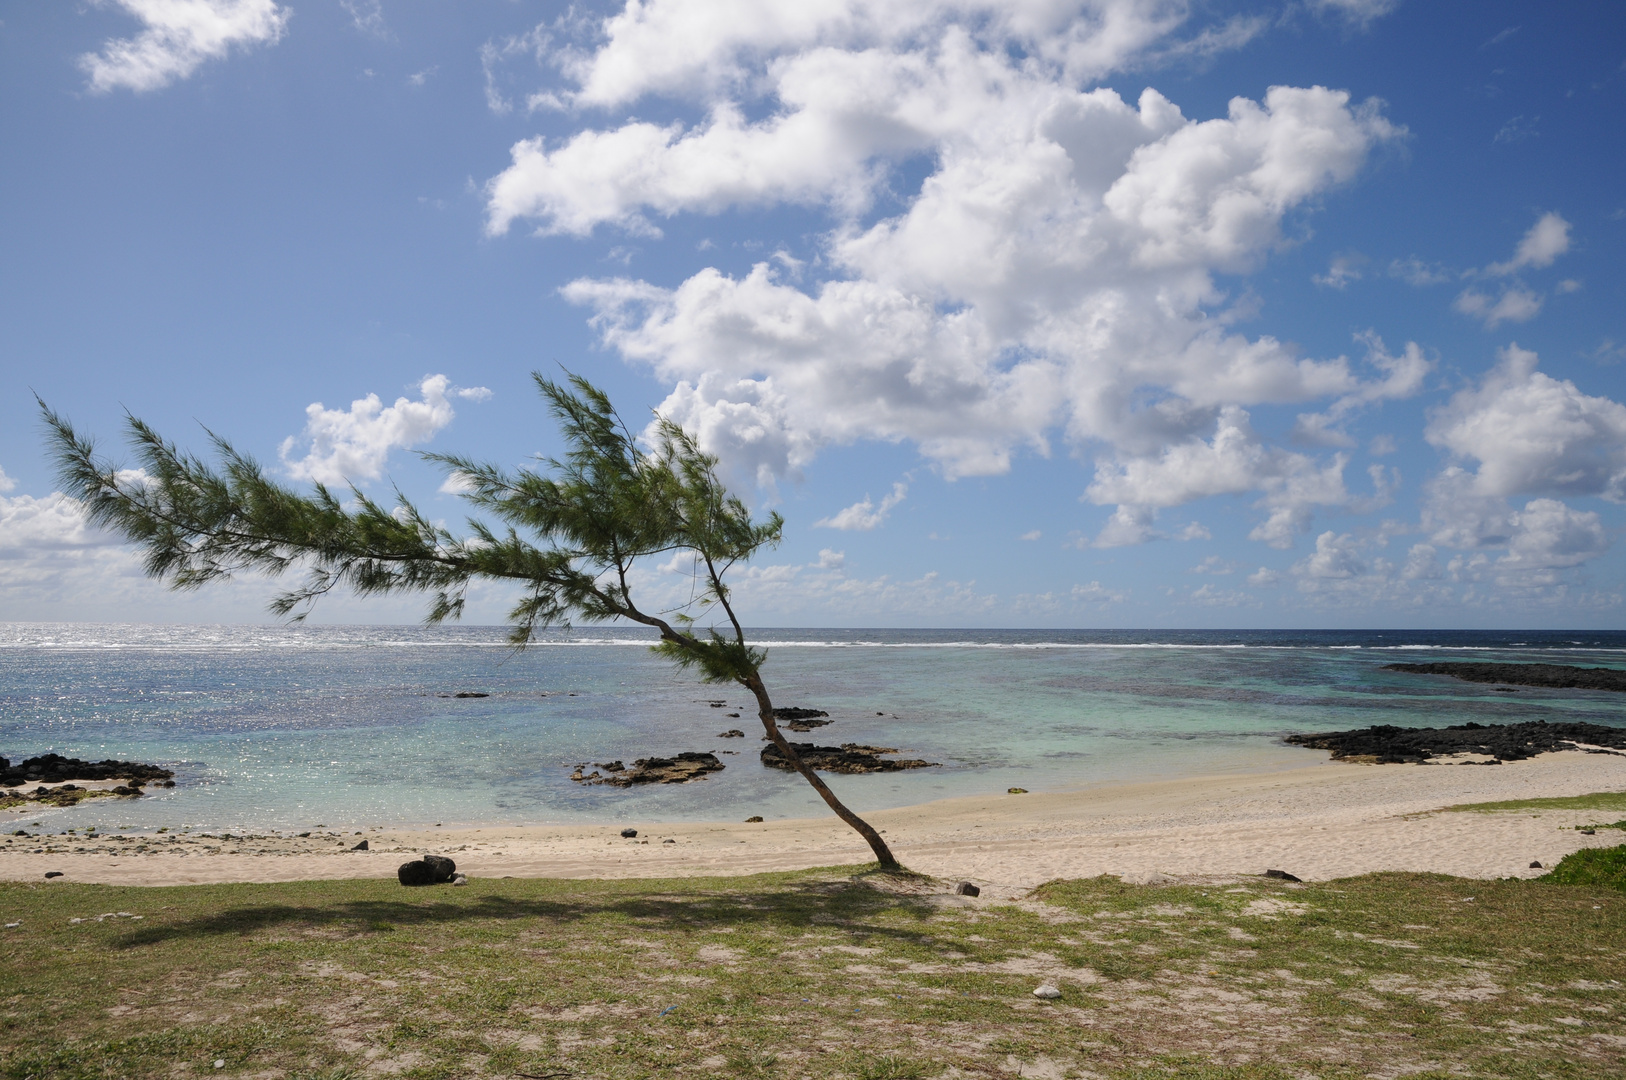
[(1036, 313)]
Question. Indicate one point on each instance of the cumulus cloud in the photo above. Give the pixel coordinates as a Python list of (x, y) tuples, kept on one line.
[(705, 49), (178, 37), (6, 482), (1234, 461), (1532, 434), (1054, 273), (1025, 287), (866, 515), (1515, 304), (345, 446), (1403, 376), (1547, 239)]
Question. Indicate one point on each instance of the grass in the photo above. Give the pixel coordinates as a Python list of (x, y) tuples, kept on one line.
[(815, 974), (1601, 800)]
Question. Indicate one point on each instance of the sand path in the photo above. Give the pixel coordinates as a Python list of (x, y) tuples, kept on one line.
[(1319, 822)]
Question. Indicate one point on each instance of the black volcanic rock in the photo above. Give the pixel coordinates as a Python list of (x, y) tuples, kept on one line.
[(846, 758), (1387, 744), (54, 768), (796, 719), (678, 769), (1553, 676)]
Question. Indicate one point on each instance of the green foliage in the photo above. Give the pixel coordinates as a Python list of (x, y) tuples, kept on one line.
[(1594, 867), (569, 534)]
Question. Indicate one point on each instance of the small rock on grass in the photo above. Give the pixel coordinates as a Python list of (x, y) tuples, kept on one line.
[(1535, 864), (965, 888), (1047, 992), (429, 870), (1280, 875), (52, 873)]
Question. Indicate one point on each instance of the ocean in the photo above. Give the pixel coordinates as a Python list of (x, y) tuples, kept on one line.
[(288, 727)]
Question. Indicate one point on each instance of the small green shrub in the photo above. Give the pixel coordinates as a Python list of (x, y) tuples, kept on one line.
[(1591, 866)]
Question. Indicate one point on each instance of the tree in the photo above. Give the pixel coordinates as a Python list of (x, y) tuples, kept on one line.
[(593, 515)]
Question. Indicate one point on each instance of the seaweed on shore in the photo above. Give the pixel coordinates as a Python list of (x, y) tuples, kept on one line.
[(1388, 744), (1552, 676)]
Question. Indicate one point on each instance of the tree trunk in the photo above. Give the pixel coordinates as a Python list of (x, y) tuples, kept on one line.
[(883, 854)]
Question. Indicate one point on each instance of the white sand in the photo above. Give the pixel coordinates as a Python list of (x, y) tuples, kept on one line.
[(1318, 822)]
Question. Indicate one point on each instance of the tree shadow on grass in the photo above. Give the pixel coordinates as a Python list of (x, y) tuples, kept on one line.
[(793, 905)]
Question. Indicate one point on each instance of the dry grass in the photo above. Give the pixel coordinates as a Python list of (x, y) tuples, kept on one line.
[(819, 974)]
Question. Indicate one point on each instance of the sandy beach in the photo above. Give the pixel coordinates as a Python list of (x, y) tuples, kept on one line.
[(1318, 822)]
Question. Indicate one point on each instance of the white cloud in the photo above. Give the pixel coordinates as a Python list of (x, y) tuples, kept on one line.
[(1414, 271), (1549, 536), (178, 36), (1263, 577), (1096, 593), (1403, 377), (367, 15), (346, 446), (1054, 272), (1032, 534), (1210, 595), (1359, 12), (1336, 555), (1516, 304), (1343, 270), (711, 48), (1234, 462), (1534, 435), (6, 482), (864, 516), (1547, 239), (1084, 257)]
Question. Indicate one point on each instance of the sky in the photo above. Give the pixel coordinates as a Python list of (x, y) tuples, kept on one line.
[(1029, 313)]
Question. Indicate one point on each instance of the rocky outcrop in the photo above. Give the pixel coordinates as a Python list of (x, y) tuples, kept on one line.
[(795, 719), (1387, 744), (846, 758), (429, 870), (678, 769), (54, 769), (1554, 676)]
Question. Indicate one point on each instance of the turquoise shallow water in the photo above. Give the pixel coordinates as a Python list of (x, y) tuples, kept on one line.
[(283, 727)]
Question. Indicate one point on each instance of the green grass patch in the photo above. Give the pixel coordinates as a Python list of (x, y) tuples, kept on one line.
[(822, 974), (1600, 800), (1591, 867)]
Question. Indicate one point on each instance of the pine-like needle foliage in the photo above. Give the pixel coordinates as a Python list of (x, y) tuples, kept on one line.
[(569, 534)]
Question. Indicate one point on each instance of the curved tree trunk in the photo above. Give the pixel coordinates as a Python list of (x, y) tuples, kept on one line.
[(883, 854)]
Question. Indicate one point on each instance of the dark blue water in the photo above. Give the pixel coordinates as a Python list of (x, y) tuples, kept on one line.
[(295, 726)]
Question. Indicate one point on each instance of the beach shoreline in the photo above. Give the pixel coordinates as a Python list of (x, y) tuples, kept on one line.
[(1317, 822)]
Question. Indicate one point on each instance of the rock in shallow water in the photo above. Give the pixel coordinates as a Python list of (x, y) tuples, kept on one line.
[(1387, 744), (846, 758), (678, 769)]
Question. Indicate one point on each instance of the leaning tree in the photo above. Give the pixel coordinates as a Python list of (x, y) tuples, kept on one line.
[(570, 536)]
